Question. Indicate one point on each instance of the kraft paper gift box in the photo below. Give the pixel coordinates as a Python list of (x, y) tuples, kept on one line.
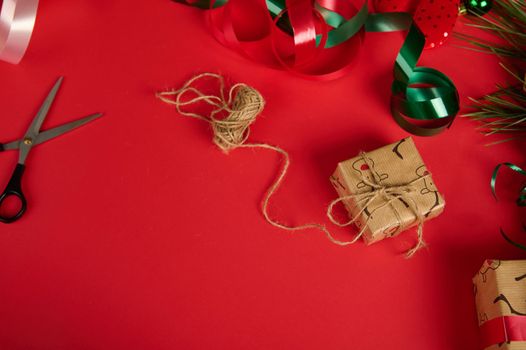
[(400, 170), (500, 297)]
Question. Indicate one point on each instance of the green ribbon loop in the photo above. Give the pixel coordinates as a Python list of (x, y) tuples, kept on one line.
[(521, 200), (420, 94), (509, 240), (424, 101), (343, 29)]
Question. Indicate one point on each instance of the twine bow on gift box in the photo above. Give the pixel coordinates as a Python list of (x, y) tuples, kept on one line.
[(389, 193)]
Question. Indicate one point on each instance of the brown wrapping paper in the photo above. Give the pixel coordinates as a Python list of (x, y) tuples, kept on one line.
[(397, 164), (500, 290)]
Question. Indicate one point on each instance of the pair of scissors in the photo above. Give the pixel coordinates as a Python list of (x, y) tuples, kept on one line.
[(32, 138)]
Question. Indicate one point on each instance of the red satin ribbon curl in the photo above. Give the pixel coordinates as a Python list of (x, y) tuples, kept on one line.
[(233, 26)]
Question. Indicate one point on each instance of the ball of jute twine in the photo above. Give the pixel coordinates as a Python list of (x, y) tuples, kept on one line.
[(230, 119), (242, 107)]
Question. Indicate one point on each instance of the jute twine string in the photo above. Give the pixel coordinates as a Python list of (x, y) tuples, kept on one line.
[(242, 105)]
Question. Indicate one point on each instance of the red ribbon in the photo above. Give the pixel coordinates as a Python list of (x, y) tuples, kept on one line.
[(248, 28), (503, 329)]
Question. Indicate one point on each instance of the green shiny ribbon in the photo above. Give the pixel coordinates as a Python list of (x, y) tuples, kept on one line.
[(420, 93), (343, 29), (512, 242), (521, 200), (204, 4), (275, 7), (424, 101)]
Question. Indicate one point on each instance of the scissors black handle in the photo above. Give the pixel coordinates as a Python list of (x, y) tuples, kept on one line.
[(14, 189)]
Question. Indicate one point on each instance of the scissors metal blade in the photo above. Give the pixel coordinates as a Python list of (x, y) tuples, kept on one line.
[(64, 128), (36, 124), (54, 132), (34, 128)]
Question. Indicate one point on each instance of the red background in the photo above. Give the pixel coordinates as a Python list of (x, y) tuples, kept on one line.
[(141, 234)]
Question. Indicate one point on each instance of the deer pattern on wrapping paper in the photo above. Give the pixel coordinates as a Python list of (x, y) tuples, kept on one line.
[(364, 166), (337, 182), (421, 171), (361, 166), (396, 149), (514, 309), (492, 265), (501, 297), (429, 188)]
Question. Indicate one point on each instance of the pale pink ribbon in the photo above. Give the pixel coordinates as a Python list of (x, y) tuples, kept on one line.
[(17, 19)]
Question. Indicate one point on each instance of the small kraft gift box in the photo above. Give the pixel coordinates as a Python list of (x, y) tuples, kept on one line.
[(500, 297), (387, 191)]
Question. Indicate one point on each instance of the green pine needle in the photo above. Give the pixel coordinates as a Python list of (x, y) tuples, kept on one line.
[(503, 111)]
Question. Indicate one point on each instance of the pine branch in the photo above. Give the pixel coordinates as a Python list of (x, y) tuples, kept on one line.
[(503, 111)]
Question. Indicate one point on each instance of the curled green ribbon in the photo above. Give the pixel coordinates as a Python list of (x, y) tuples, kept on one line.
[(521, 199), (424, 101)]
